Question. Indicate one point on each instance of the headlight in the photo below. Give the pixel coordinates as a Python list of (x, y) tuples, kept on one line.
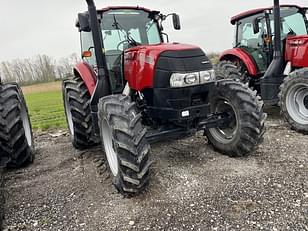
[(206, 76), (182, 80), (190, 79)]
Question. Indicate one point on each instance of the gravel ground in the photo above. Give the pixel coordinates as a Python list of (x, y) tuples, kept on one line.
[(192, 187)]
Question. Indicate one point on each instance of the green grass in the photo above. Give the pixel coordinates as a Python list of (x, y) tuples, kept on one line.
[(46, 110)]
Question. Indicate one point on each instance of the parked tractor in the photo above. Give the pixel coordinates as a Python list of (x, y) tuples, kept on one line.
[(16, 140), (271, 53), (132, 89)]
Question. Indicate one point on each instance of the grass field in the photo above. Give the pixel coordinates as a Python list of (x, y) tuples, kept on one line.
[(45, 105)]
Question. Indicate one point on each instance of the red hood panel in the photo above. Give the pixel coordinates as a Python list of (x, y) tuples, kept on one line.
[(140, 61), (298, 39), (297, 50), (163, 47)]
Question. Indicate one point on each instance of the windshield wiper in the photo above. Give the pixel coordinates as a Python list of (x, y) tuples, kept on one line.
[(291, 31), (118, 27)]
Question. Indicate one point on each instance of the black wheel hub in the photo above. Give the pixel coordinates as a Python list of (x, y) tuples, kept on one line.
[(230, 116), (226, 132), (306, 102)]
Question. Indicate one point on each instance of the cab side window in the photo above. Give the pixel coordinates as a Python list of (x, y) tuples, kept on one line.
[(246, 35), (88, 45)]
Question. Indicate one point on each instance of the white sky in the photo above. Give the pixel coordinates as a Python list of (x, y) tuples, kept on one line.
[(31, 27)]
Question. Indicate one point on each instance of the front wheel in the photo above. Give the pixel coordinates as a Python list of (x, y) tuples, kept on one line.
[(76, 100), (125, 145), (293, 100), (245, 128)]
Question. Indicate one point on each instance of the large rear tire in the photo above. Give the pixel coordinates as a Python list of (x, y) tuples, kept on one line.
[(76, 99), (246, 127), (124, 141), (16, 138), (2, 198), (293, 100), (228, 70)]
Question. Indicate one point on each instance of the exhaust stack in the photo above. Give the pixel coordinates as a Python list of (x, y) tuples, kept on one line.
[(273, 76), (103, 86), (277, 26)]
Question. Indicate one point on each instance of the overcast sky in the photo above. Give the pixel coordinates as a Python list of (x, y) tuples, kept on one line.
[(34, 27)]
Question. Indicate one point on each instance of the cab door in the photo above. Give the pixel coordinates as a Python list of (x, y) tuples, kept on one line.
[(253, 40)]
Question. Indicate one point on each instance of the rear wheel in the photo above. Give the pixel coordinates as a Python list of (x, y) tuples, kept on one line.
[(16, 138), (2, 198), (246, 119), (228, 70), (293, 100), (76, 99), (124, 142)]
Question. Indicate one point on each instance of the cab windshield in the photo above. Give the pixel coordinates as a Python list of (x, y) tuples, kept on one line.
[(126, 27), (293, 22)]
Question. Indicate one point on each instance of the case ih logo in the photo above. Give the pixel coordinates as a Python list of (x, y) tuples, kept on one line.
[(146, 59), (141, 57)]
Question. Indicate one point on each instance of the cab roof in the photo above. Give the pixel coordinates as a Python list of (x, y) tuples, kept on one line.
[(125, 8), (248, 13)]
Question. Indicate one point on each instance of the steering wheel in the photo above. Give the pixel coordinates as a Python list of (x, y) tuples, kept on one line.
[(121, 43)]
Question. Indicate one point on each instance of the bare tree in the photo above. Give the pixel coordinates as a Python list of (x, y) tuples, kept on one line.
[(41, 68)]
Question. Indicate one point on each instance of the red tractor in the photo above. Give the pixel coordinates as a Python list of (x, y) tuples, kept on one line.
[(271, 53), (16, 140), (137, 89)]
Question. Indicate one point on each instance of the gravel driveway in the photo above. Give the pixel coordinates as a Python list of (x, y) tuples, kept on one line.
[(192, 187)]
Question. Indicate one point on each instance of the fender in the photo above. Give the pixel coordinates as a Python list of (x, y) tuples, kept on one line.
[(240, 54), (86, 72)]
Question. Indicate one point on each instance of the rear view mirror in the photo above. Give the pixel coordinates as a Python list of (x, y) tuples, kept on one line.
[(176, 21), (83, 22), (86, 54), (255, 25)]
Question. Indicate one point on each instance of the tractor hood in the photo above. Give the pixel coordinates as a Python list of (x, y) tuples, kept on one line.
[(297, 50), (298, 40), (150, 53), (143, 62), (164, 47)]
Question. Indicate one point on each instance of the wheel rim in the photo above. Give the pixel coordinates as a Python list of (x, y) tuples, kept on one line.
[(225, 135), (297, 103), (69, 116), (26, 125), (109, 150)]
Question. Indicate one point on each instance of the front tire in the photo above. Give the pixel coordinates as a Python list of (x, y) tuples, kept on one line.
[(246, 128), (76, 99), (293, 100), (16, 138), (124, 141)]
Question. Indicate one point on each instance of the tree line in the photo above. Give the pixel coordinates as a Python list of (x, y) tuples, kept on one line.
[(39, 69), (43, 68)]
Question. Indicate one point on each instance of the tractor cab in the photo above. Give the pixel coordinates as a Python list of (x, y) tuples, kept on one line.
[(121, 28), (255, 32)]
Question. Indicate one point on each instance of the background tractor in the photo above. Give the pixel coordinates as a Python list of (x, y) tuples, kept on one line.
[(271, 53), (16, 140), (137, 89)]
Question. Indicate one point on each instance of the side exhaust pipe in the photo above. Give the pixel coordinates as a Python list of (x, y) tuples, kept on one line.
[(273, 76), (103, 86)]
